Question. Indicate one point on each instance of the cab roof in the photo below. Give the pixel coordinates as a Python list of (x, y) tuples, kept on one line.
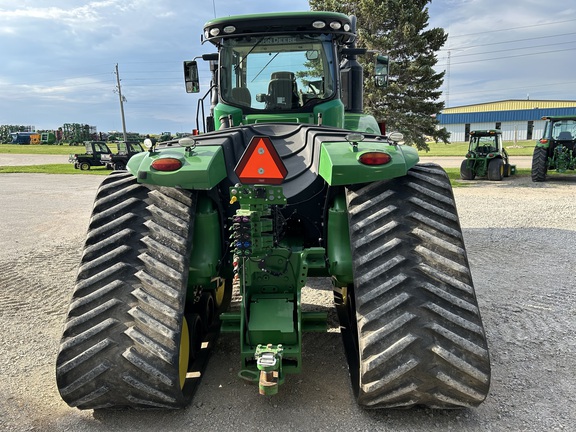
[(280, 23)]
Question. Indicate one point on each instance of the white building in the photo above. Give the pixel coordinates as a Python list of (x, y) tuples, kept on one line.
[(517, 119)]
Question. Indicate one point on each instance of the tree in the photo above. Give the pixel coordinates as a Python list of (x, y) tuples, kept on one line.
[(398, 28)]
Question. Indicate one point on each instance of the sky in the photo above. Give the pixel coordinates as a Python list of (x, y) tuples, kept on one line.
[(58, 60)]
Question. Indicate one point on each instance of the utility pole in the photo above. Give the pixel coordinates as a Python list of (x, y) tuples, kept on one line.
[(122, 99), (448, 81)]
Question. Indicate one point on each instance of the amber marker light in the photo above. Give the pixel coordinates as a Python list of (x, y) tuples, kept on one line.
[(374, 158), (167, 164)]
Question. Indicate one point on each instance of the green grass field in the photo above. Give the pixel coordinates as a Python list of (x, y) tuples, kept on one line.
[(45, 149), (521, 148), (52, 169)]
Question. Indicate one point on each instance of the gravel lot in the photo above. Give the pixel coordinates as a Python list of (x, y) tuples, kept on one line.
[(520, 238)]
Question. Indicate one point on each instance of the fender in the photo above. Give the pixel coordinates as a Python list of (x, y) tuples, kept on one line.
[(340, 165), (203, 167)]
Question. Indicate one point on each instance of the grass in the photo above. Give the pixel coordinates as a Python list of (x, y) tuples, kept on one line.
[(453, 173), (52, 169), (521, 148), (46, 149)]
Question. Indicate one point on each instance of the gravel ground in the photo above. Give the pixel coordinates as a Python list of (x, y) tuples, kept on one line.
[(520, 239)]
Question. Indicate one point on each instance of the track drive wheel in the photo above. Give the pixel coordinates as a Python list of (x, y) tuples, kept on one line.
[(420, 335), (126, 342), (466, 173), (539, 164), (496, 170)]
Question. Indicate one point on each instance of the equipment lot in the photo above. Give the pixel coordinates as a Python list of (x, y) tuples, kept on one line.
[(520, 239)]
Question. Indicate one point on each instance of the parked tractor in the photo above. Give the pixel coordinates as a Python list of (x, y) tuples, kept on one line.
[(555, 150), (290, 180), (93, 156), (486, 157), (119, 159)]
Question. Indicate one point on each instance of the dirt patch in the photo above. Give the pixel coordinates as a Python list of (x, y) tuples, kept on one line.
[(519, 237)]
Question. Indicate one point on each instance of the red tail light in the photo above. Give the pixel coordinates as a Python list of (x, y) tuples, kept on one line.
[(543, 141), (375, 158), (167, 164)]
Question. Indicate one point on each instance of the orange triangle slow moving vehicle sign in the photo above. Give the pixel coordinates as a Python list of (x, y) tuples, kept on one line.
[(261, 163)]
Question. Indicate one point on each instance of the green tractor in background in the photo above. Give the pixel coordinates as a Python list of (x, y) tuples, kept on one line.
[(486, 157), (290, 179), (555, 150)]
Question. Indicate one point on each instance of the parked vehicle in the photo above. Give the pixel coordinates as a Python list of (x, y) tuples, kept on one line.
[(93, 156), (486, 157), (291, 179), (119, 159), (555, 150)]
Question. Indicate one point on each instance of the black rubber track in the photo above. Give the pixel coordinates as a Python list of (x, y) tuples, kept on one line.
[(121, 340), (420, 336), (539, 164)]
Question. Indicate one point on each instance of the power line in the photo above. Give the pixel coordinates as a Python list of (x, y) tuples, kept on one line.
[(505, 42), (507, 57), (510, 49), (515, 28)]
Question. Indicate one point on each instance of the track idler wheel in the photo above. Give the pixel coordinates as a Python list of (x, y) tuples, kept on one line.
[(207, 310)]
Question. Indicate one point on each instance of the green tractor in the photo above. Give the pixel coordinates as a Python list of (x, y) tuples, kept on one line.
[(555, 150), (486, 157), (219, 231)]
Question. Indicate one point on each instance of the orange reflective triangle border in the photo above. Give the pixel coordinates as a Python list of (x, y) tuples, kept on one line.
[(261, 163)]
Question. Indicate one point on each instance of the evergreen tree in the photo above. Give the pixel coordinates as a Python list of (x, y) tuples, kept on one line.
[(398, 28)]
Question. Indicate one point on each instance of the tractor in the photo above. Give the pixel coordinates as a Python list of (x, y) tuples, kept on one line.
[(486, 157), (219, 231), (555, 150)]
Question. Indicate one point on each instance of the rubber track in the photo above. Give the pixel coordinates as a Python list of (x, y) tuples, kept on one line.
[(539, 164), (420, 335), (121, 339)]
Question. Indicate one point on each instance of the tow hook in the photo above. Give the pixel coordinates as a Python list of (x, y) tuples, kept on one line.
[(269, 363)]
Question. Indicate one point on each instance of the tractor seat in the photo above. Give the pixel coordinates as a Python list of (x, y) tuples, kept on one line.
[(242, 96), (282, 91), (564, 136)]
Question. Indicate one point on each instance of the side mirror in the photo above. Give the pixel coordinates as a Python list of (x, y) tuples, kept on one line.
[(191, 77), (381, 71)]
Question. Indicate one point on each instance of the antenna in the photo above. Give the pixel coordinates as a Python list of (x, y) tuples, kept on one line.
[(214, 4)]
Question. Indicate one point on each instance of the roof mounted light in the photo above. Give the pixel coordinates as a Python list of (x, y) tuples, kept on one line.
[(346, 27), (354, 137), (318, 24), (214, 31), (335, 25), (229, 29), (206, 34)]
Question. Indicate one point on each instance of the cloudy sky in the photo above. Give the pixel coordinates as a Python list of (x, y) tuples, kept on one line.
[(58, 61)]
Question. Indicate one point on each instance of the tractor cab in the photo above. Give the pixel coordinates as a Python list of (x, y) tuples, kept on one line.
[(297, 68), (484, 143)]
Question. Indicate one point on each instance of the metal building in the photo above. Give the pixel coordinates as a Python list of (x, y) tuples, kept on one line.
[(518, 119)]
